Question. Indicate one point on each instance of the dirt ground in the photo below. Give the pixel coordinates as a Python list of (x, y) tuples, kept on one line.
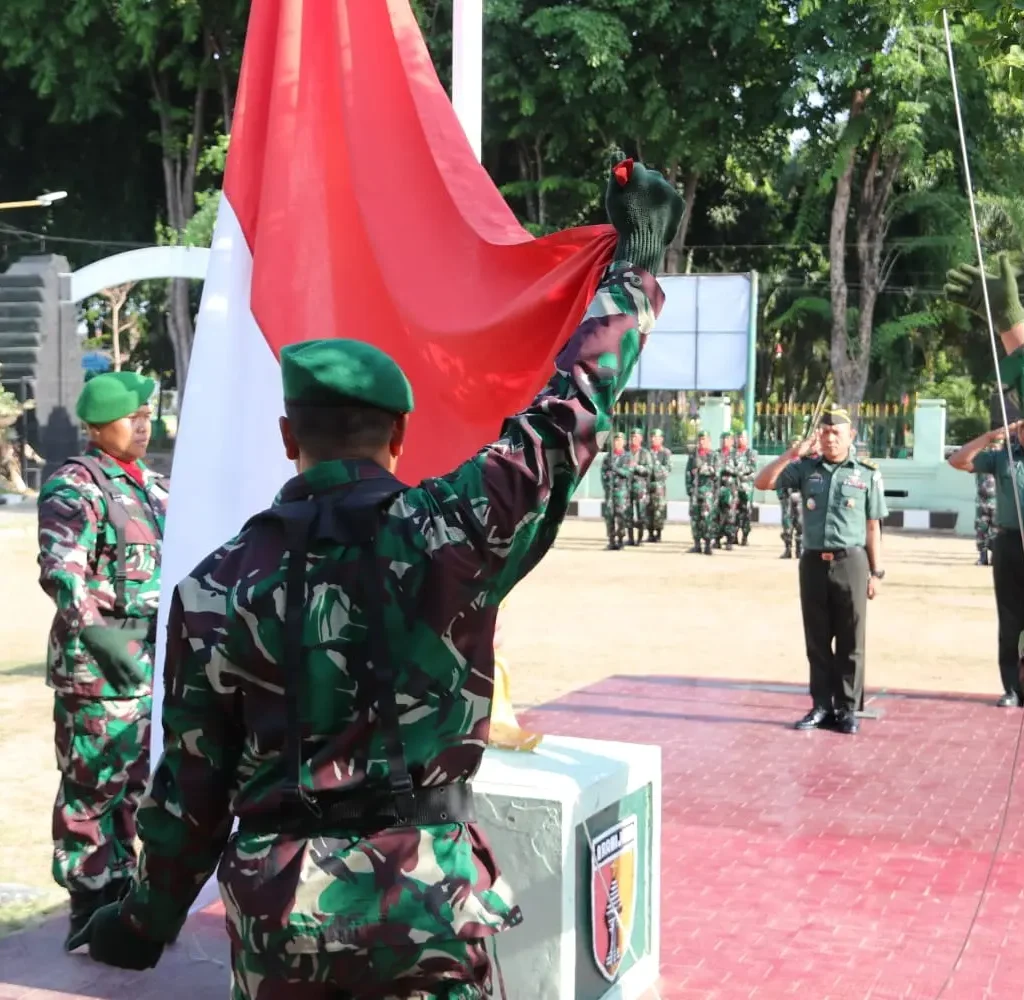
[(583, 615)]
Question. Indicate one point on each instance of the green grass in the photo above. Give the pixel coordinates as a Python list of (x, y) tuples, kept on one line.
[(28, 913)]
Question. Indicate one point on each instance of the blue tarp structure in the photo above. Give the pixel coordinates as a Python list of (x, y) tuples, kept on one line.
[(96, 362)]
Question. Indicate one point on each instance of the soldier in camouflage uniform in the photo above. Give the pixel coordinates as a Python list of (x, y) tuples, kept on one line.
[(746, 467), (101, 519), (727, 494), (638, 465), (331, 669), (616, 493), (791, 505), (657, 501), (702, 479), (984, 516)]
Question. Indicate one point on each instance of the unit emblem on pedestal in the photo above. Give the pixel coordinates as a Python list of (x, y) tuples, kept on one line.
[(613, 881)]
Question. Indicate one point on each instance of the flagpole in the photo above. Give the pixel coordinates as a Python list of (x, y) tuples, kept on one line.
[(468, 68)]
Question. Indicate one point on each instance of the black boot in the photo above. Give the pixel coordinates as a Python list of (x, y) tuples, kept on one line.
[(799, 549), (983, 557), (728, 545), (85, 902), (629, 533), (788, 554), (707, 547), (695, 547)]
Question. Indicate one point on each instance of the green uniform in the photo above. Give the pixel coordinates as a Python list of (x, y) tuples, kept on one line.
[(727, 497), (101, 730), (746, 469), (1007, 560), (638, 466), (838, 501), (616, 497), (702, 486), (657, 500)]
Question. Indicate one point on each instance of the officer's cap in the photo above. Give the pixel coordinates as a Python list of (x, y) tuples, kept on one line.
[(113, 395), (835, 416)]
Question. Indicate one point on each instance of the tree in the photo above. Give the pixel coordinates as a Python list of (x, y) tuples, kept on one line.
[(184, 53)]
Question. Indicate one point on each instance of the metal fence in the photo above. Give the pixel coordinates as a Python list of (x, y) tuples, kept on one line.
[(884, 430)]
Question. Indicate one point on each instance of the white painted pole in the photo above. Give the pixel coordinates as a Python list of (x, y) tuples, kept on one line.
[(468, 68)]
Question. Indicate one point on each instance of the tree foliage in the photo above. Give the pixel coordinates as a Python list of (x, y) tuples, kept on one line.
[(813, 141)]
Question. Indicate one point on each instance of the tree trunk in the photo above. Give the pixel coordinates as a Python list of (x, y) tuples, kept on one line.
[(542, 207), (844, 368), (179, 166), (675, 248), (526, 175), (115, 333), (874, 199)]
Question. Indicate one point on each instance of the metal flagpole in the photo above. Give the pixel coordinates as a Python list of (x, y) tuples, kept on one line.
[(468, 68)]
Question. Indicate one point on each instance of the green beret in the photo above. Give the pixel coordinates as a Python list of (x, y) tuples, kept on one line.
[(637, 430), (328, 372), (657, 432), (618, 435), (834, 416), (704, 434), (113, 395), (726, 434)]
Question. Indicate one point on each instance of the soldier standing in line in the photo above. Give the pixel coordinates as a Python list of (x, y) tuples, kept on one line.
[(615, 492), (703, 484), (984, 516), (688, 478), (636, 463), (331, 669), (101, 520), (746, 468), (840, 570), (790, 503), (657, 503), (727, 494)]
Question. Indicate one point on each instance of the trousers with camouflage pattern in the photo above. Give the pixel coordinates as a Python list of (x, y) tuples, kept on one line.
[(447, 970), (103, 757)]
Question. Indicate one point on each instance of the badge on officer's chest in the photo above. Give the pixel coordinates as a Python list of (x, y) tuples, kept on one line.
[(851, 503), (810, 503)]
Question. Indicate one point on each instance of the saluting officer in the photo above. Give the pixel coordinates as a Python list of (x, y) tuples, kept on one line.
[(843, 508), (979, 456)]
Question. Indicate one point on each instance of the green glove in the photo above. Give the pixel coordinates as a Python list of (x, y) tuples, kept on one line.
[(645, 210), (115, 652), (964, 285), (113, 942)]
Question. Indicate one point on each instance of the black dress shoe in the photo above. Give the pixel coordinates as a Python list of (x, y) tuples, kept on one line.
[(1009, 700), (814, 719), (846, 722)]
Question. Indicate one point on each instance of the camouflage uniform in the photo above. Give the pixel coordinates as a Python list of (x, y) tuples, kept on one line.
[(746, 468), (102, 733), (704, 474), (333, 902), (726, 497), (616, 492), (791, 504), (657, 502), (984, 517), (638, 466)]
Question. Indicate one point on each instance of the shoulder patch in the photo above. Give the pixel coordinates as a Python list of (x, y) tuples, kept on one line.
[(867, 463)]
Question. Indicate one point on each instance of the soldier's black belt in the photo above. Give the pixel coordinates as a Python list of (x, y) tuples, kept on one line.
[(365, 813), (828, 555)]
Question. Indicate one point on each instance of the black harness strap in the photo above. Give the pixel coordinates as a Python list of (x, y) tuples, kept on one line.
[(350, 516), (118, 518)]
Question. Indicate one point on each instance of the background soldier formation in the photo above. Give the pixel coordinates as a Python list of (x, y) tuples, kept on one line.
[(635, 483), (984, 516), (790, 502)]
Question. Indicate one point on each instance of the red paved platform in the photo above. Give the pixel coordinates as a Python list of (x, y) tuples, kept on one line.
[(795, 864)]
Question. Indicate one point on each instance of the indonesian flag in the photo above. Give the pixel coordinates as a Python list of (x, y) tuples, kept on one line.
[(353, 206)]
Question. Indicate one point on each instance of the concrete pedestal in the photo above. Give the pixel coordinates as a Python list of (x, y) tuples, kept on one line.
[(576, 827)]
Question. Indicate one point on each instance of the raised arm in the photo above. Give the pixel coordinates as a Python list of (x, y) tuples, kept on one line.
[(771, 476), (512, 496), (973, 457)]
